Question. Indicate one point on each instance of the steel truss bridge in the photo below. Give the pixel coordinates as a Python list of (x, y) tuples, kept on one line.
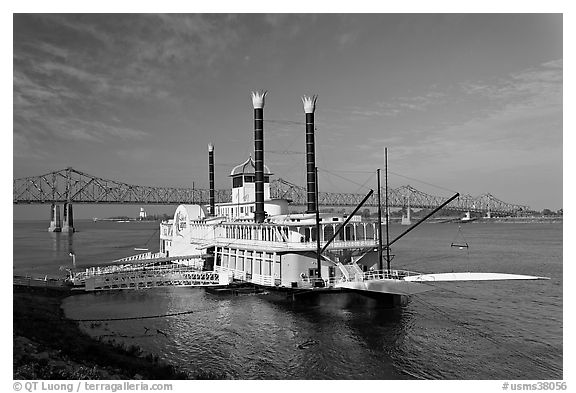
[(72, 186)]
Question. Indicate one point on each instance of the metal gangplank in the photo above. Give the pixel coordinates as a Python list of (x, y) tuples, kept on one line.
[(143, 276)]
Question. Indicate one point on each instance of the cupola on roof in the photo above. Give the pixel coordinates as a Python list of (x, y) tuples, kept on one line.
[(248, 167)]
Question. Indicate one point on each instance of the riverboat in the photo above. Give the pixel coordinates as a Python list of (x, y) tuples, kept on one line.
[(254, 239)]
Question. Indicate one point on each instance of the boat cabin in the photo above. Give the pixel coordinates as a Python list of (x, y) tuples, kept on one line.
[(281, 251)]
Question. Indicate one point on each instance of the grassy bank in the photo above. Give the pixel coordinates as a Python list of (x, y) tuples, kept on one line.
[(49, 346)]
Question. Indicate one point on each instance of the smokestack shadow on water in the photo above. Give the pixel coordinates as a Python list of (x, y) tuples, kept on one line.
[(258, 103)]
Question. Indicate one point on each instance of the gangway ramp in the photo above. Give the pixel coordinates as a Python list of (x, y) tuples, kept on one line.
[(149, 277)]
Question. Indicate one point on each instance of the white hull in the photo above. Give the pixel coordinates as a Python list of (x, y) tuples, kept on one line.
[(389, 286), (444, 277)]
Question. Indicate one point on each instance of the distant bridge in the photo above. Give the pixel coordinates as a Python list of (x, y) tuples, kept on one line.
[(69, 186)]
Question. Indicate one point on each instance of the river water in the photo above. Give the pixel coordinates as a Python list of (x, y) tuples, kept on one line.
[(475, 330)]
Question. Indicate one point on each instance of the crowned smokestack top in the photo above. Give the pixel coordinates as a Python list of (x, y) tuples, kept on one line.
[(258, 97), (258, 103), (309, 103), (309, 108), (211, 177)]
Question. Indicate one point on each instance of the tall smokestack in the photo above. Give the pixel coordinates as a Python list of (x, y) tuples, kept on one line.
[(258, 103), (309, 108), (211, 177)]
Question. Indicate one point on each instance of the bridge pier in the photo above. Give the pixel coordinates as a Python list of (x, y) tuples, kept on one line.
[(68, 224), (55, 222), (406, 219)]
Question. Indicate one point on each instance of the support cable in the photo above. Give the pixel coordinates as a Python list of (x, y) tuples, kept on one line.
[(423, 182), (361, 186)]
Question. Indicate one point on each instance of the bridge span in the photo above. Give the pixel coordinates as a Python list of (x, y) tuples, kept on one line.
[(70, 186)]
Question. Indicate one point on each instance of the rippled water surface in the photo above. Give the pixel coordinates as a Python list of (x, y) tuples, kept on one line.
[(483, 330)]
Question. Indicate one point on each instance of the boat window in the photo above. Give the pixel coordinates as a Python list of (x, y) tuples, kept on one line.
[(237, 181), (328, 231), (266, 268), (313, 234), (335, 219)]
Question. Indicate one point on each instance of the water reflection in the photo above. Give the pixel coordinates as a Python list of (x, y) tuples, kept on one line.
[(333, 341), (70, 242), (55, 242), (249, 336)]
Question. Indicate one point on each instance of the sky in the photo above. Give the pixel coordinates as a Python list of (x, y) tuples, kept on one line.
[(464, 102)]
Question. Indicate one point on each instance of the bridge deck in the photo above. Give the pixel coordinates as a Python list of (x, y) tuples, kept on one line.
[(72, 186)]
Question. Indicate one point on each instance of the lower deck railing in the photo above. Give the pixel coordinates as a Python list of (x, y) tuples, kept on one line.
[(240, 275), (232, 274), (143, 256), (388, 274), (350, 273), (262, 279)]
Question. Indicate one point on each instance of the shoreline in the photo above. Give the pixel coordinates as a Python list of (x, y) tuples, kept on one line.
[(518, 220), (484, 220), (49, 346)]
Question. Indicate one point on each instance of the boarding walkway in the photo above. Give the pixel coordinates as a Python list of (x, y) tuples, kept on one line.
[(144, 276)]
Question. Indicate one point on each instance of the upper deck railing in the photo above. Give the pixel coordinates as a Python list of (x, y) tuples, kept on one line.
[(283, 237)]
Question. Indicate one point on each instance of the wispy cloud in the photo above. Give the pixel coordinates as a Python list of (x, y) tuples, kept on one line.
[(83, 26), (66, 70), (130, 61), (397, 106), (521, 113), (347, 38), (544, 81), (288, 25), (196, 40), (99, 131), (524, 93), (416, 103), (52, 50), (530, 99), (34, 134)]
